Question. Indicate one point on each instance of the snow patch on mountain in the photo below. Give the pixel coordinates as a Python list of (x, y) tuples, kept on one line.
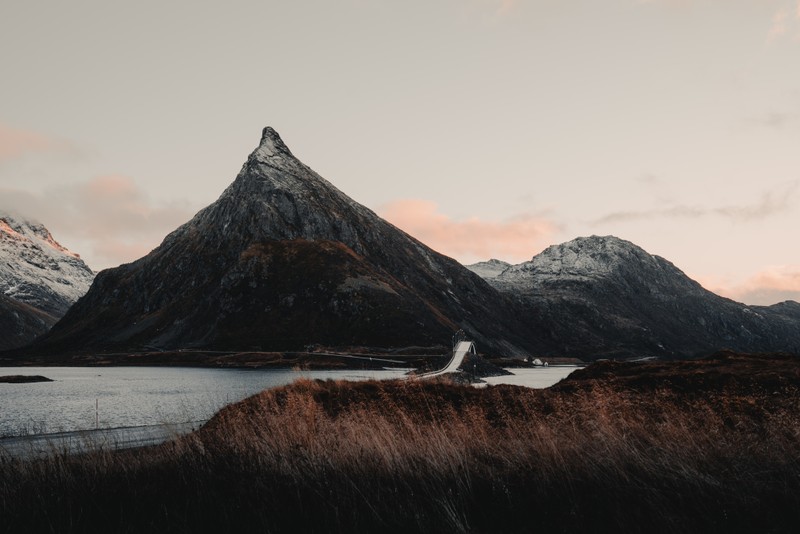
[(581, 259), (36, 270), (489, 269)]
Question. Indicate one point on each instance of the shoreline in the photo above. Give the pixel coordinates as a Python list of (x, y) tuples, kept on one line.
[(263, 360), (655, 446)]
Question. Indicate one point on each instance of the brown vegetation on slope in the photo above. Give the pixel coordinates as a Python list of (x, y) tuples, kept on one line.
[(616, 448)]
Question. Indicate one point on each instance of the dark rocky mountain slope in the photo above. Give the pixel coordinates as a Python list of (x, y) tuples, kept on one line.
[(280, 261), (599, 297), (21, 323)]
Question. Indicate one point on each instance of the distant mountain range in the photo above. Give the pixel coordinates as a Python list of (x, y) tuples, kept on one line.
[(606, 297), (39, 280), (285, 261)]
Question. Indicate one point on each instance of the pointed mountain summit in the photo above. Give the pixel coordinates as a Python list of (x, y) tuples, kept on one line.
[(606, 297), (280, 261)]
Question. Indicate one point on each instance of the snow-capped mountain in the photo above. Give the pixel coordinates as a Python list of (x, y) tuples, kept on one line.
[(604, 296), (39, 278), (283, 260), (587, 260)]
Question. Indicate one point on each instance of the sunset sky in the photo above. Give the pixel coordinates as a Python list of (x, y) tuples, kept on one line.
[(485, 128)]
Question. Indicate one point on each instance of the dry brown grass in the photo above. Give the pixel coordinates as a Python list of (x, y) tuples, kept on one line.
[(591, 455)]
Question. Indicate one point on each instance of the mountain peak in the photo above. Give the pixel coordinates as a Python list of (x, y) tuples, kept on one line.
[(271, 145), (284, 259), (595, 243), (590, 254), (24, 230), (589, 258)]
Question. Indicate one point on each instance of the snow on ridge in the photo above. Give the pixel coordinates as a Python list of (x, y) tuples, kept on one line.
[(489, 269), (582, 258), (273, 152), (585, 256), (21, 229), (6, 230), (36, 269), (286, 198), (275, 180)]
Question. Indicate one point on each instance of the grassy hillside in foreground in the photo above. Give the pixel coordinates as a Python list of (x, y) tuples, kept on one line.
[(711, 445)]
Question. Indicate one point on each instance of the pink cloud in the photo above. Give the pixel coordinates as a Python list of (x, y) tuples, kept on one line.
[(506, 6), (785, 22), (516, 239), (769, 286), (779, 24), (117, 193), (108, 220), (111, 186), (15, 143)]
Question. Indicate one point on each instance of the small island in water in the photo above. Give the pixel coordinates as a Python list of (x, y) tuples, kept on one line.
[(23, 379)]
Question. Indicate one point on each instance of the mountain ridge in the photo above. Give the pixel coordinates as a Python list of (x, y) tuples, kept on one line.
[(241, 272), (283, 260), (620, 301)]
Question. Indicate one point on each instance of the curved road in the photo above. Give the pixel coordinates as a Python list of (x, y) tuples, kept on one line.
[(461, 351)]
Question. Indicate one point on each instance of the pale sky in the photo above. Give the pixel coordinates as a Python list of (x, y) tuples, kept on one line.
[(485, 128)]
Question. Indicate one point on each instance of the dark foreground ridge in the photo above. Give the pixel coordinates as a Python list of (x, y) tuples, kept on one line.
[(704, 446), (722, 372)]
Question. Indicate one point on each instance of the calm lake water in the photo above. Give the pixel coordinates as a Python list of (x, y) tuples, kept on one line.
[(134, 396)]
